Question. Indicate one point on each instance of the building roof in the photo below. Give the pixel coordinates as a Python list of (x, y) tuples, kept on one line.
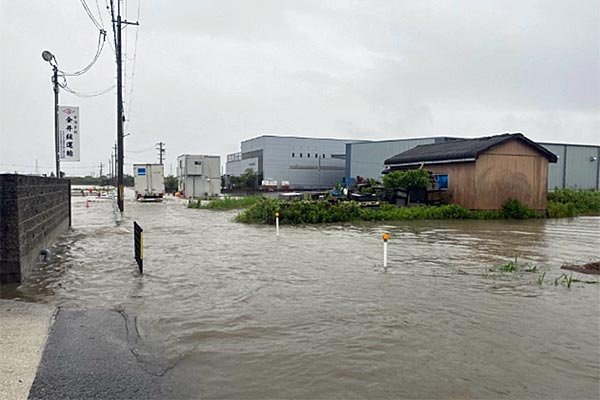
[(462, 149)]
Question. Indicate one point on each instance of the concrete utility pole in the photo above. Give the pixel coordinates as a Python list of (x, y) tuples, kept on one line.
[(101, 165), (161, 151), (120, 113), (49, 57)]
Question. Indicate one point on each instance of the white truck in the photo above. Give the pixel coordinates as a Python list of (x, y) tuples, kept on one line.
[(149, 182)]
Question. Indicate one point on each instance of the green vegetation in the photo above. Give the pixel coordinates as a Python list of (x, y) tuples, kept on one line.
[(315, 212), (514, 209), (409, 180), (570, 203), (227, 203), (514, 266), (171, 184)]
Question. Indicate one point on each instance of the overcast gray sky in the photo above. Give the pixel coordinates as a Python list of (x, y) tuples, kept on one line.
[(209, 74)]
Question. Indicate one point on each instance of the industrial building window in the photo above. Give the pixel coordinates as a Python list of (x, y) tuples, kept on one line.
[(293, 155), (197, 162), (323, 155), (307, 155), (300, 155)]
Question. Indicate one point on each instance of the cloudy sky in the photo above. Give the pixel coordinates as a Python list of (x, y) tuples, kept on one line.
[(207, 74)]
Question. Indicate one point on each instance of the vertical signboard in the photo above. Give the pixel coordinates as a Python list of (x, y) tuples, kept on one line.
[(138, 245), (68, 133)]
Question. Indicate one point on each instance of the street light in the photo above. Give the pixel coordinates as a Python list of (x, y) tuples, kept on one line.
[(49, 57)]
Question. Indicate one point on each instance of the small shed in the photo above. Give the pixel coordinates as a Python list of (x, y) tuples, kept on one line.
[(482, 173)]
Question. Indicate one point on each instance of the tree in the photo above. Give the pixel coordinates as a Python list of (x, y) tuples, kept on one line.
[(249, 179), (407, 180), (171, 184)]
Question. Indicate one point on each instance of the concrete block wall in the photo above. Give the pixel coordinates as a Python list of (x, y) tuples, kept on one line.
[(34, 211)]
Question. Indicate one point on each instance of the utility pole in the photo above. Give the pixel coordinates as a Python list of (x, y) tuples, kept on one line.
[(56, 142), (101, 165), (161, 151), (120, 113), (49, 57)]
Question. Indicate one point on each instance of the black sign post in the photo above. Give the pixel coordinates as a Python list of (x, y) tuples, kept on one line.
[(138, 244)]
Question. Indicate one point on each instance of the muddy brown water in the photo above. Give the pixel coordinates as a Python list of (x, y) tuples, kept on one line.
[(312, 314)]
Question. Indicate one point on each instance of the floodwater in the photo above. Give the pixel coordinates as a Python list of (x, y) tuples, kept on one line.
[(240, 313)]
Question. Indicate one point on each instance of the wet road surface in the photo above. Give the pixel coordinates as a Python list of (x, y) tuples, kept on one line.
[(237, 312)]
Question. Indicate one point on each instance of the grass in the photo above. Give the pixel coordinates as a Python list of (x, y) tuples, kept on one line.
[(226, 203), (316, 212), (514, 266), (570, 203)]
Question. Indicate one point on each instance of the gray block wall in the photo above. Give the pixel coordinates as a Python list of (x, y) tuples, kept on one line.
[(34, 211)]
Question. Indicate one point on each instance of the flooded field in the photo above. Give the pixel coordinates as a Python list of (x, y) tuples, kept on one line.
[(241, 313)]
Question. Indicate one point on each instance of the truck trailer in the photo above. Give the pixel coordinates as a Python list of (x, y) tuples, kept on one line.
[(149, 182)]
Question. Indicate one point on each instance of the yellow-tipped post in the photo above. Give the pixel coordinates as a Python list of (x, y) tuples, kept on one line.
[(277, 223), (385, 237)]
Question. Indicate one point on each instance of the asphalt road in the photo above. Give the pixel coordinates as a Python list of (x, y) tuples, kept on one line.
[(96, 354)]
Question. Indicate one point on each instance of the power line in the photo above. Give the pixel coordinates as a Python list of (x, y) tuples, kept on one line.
[(130, 92), (86, 95), (100, 14), (99, 47), (89, 13)]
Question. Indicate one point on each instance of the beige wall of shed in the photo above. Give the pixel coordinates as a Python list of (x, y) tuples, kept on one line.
[(511, 170), (461, 182)]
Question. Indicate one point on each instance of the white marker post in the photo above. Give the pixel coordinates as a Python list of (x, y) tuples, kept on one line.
[(277, 223), (385, 237)]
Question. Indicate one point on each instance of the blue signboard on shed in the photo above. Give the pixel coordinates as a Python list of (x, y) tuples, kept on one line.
[(141, 171)]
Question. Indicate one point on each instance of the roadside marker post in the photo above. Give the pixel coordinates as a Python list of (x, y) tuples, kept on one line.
[(138, 244), (277, 223), (386, 237)]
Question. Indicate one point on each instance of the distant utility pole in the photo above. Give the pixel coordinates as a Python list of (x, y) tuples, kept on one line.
[(110, 167), (161, 151), (120, 113), (115, 165), (101, 165)]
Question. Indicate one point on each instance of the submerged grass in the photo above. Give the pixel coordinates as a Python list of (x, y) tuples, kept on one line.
[(316, 212), (570, 203), (561, 203), (226, 203)]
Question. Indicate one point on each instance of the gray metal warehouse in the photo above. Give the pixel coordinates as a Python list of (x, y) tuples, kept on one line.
[(292, 161)]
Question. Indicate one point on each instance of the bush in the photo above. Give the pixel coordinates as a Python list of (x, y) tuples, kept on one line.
[(513, 209), (408, 180), (585, 202), (316, 212), (560, 210)]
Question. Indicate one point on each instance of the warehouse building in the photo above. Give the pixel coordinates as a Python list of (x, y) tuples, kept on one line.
[(199, 175), (577, 166), (483, 173), (290, 161)]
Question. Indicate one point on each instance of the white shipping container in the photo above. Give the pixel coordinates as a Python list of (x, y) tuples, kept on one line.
[(149, 181)]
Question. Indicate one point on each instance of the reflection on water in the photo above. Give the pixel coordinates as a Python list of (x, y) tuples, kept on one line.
[(312, 314)]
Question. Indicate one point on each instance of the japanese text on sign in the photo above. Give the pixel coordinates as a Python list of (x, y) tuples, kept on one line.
[(68, 133)]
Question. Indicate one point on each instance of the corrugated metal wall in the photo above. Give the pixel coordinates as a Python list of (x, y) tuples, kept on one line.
[(306, 163), (365, 159), (577, 166)]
